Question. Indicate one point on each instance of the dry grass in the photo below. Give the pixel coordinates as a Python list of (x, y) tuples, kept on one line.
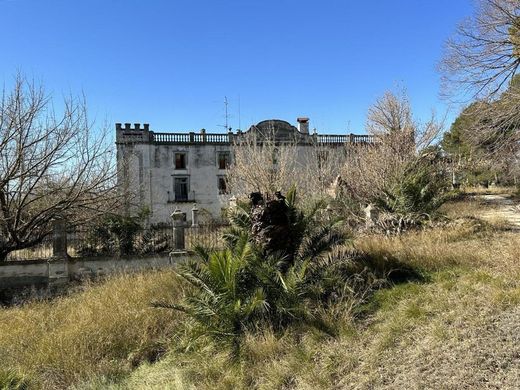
[(459, 328), (102, 331), (468, 243), (495, 190)]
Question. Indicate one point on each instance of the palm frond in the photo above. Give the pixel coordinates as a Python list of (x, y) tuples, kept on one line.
[(202, 252), (239, 217)]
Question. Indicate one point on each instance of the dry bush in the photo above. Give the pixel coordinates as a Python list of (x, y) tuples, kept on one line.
[(266, 165), (401, 173), (103, 331)]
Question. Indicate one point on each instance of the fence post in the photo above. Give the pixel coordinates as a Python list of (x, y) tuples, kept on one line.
[(371, 215), (194, 216), (178, 230), (59, 238), (57, 265)]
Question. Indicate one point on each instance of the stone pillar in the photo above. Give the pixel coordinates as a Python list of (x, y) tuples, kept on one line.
[(194, 216), (454, 181), (178, 230), (371, 215), (59, 239), (57, 265)]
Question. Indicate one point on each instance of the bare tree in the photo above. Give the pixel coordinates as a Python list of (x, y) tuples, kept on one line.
[(265, 164), (51, 166), (481, 62), (376, 173), (390, 114), (484, 54)]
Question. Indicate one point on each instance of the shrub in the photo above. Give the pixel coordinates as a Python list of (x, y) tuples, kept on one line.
[(403, 173), (265, 278), (112, 234)]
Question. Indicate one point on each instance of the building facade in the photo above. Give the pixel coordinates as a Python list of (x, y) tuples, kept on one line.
[(162, 172)]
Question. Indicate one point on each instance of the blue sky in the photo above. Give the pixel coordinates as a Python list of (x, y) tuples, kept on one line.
[(170, 63)]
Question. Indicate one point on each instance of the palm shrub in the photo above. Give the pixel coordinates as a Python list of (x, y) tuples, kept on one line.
[(414, 195), (260, 281), (421, 189)]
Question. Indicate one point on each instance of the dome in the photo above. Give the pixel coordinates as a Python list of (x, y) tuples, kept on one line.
[(281, 130)]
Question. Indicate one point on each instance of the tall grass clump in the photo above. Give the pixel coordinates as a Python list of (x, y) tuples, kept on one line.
[(105, 330)]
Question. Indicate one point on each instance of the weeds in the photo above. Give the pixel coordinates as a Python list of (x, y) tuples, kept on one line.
[(105, 330), (455, 323)]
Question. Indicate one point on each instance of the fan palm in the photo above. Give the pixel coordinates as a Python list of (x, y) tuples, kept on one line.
[(245, 287)]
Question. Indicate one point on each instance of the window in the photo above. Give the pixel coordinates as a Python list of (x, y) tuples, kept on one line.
[(180, 160), (222, 185), (181, 188), (223, 159)]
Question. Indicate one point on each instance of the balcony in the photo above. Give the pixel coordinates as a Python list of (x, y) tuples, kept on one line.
[(181, 198)]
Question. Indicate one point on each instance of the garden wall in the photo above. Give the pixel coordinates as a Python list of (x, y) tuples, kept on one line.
[(60, 271)]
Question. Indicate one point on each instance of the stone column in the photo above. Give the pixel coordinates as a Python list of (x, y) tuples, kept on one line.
[(194, 216), (57, 265), (178, 230), (59, 239), (371, 215)]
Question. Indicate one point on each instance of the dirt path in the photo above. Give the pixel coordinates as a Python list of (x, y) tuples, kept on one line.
[(503, 207)]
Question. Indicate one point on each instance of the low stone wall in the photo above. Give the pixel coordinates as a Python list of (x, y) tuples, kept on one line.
[(23, 273), (14, 274)]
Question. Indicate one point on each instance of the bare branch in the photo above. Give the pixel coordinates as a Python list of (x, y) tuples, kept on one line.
[(50, 165)]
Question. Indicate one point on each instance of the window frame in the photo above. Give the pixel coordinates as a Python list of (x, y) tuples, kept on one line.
[(175, 196), (185, 154), (227, 160), (225, 191)]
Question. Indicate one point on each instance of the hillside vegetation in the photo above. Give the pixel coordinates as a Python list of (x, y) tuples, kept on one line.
[(455, 326)]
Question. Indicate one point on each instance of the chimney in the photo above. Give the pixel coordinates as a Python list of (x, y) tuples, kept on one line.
[(303, 125)]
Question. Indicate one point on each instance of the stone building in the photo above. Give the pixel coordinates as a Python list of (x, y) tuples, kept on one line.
[(167, 171)]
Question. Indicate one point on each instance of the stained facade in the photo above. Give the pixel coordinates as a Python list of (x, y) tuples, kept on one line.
[(166, 171)]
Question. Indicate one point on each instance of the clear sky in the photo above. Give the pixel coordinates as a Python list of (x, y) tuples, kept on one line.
[(170, 63)]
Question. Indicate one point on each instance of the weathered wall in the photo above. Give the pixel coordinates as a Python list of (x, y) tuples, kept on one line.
[(23, 273), (38, 272), (203, 173), (147, 164), (151, 171)]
